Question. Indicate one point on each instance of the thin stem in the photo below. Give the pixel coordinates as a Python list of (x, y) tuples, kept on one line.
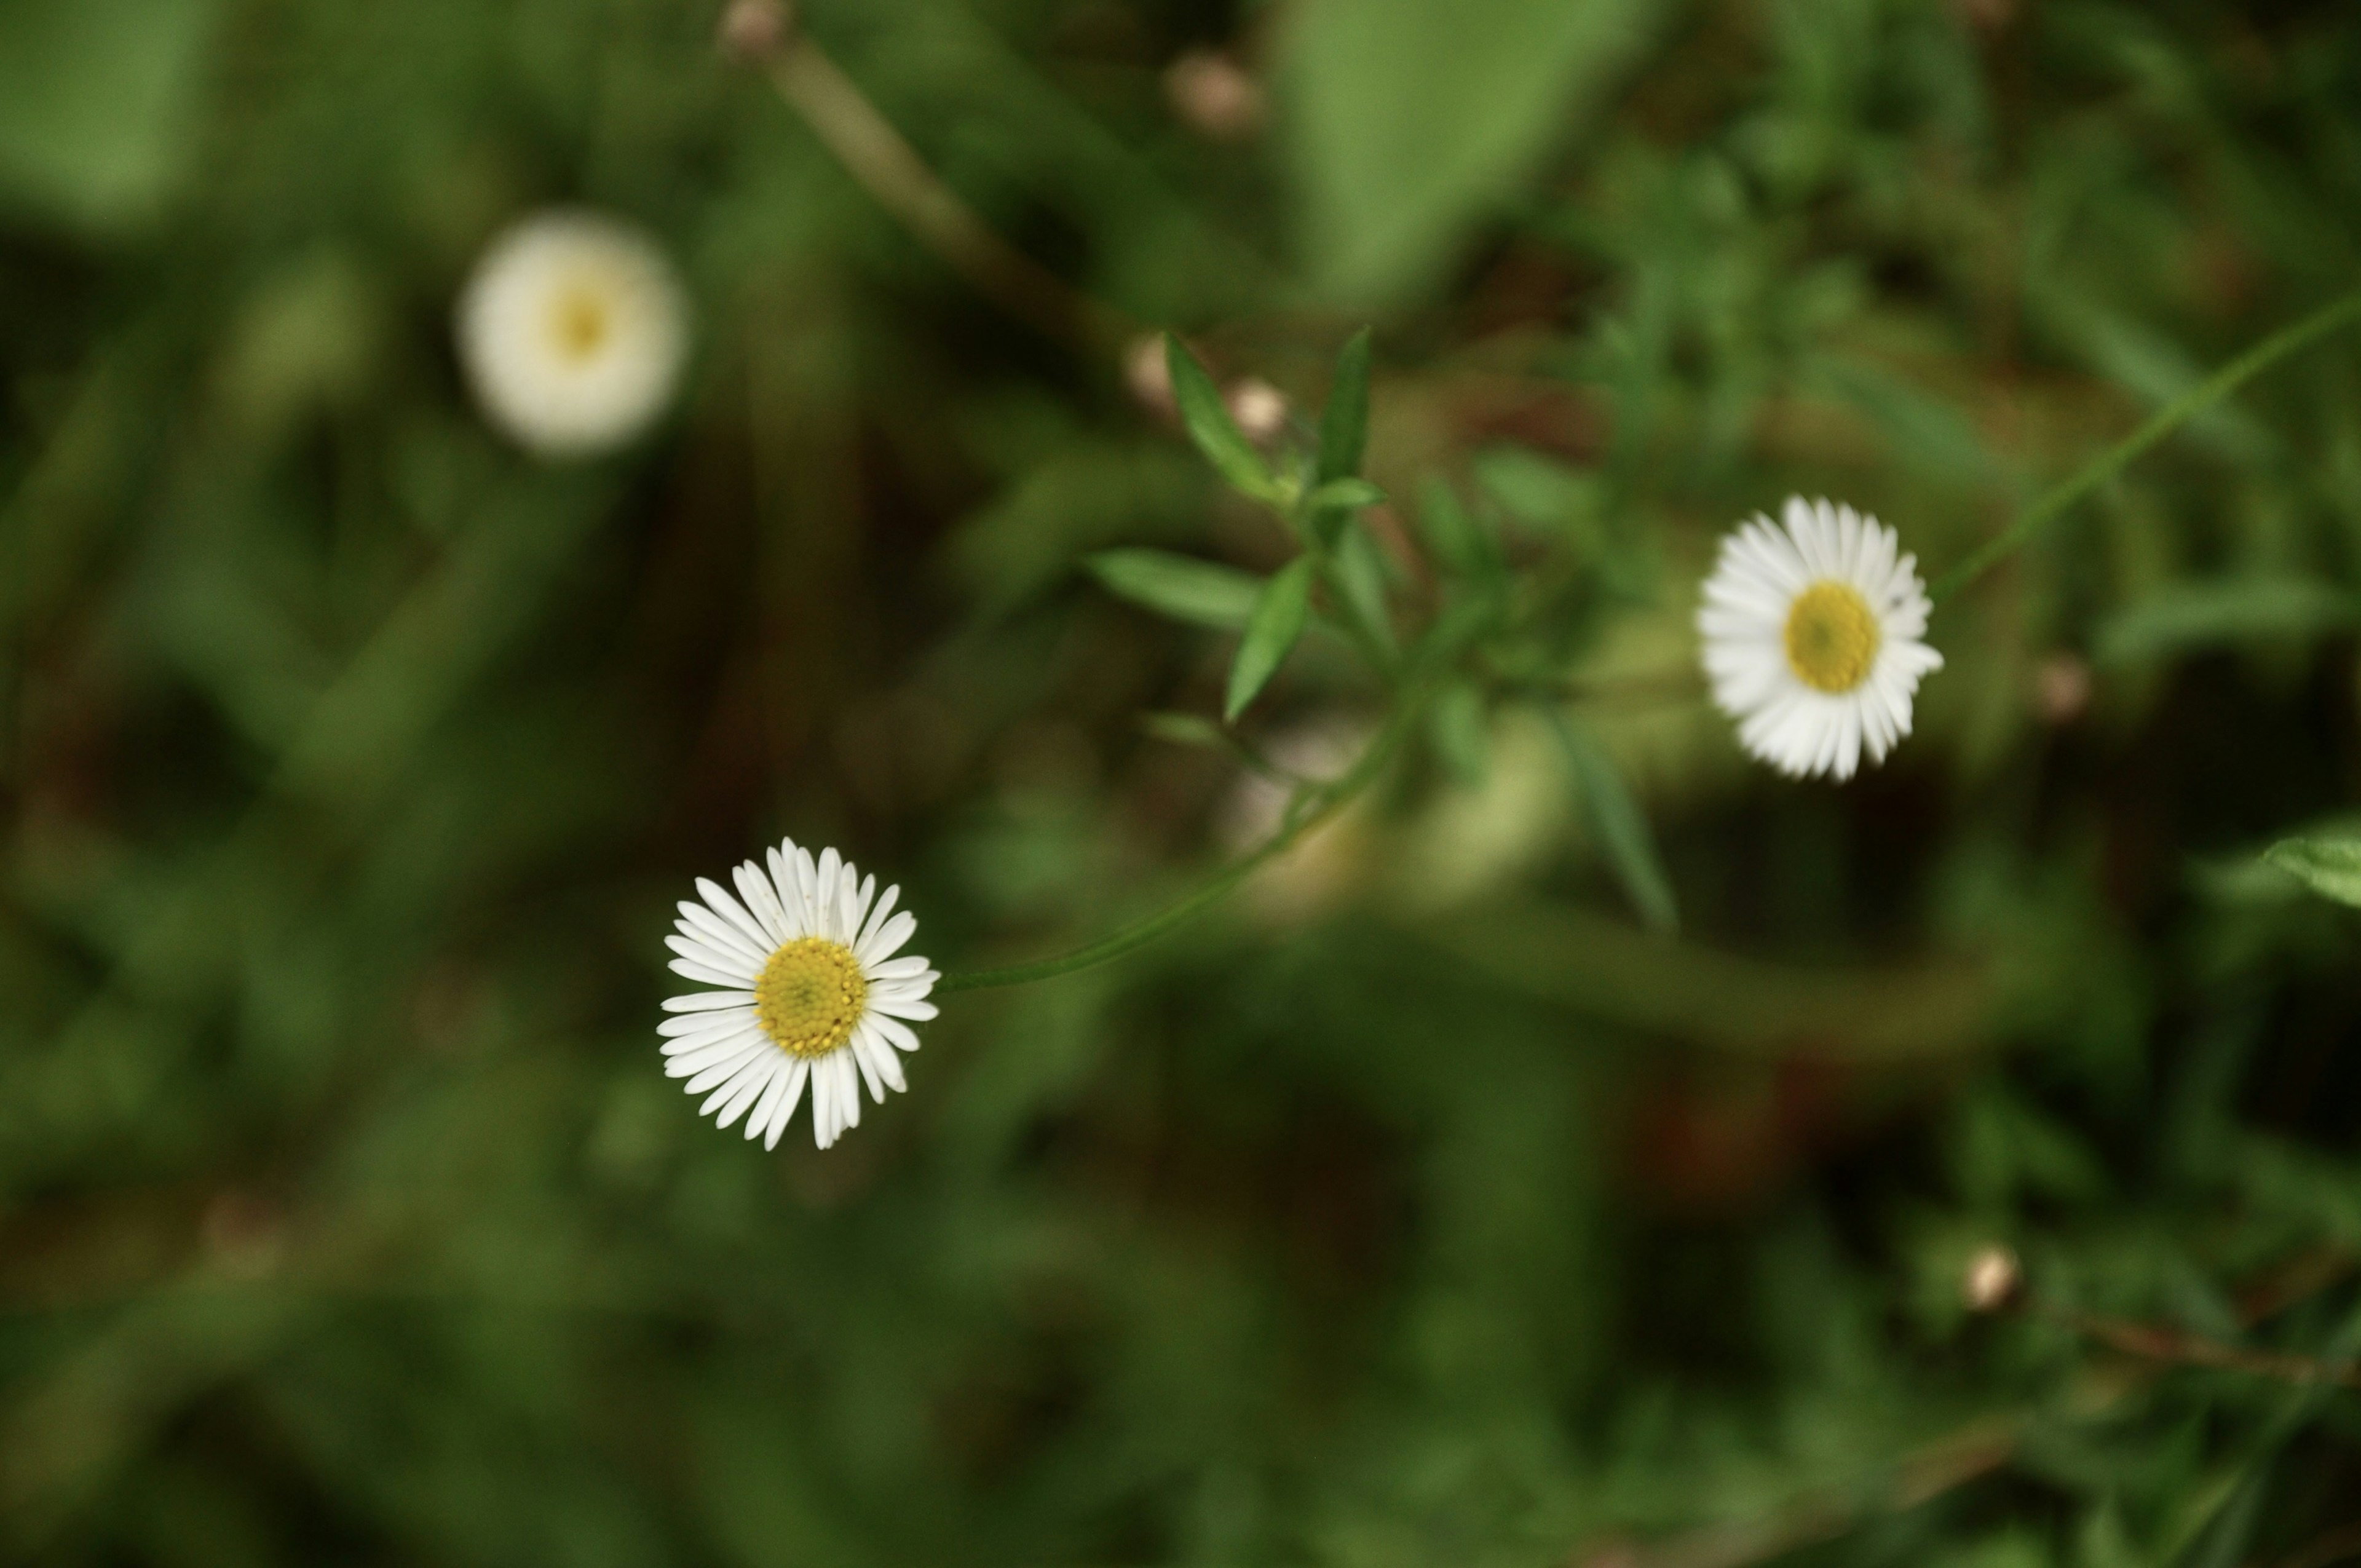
[(2180, 1348), (2164, 422), (886, 165), (1310, 809)]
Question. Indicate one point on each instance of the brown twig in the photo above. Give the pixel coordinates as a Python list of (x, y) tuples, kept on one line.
[(2179, 1347)]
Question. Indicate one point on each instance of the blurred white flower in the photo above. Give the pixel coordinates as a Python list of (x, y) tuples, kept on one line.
[(811, 991), (572, 332), (1260, 408), (1812, 638)]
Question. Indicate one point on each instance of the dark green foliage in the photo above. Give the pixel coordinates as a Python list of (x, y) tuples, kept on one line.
[(1419, 1205)]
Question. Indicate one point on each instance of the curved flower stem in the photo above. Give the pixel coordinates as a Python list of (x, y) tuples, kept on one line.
[(1311, 808), (2108, 464)]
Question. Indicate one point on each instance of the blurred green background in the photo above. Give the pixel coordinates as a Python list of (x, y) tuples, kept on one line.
[(1416, 1207)]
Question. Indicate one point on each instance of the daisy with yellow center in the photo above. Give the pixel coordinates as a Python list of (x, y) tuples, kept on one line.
[(1812, 630), (572, 333), (811, 993)]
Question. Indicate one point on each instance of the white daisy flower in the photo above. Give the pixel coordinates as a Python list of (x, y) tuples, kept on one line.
[(811, 991), (572, 332), (1812, 638)]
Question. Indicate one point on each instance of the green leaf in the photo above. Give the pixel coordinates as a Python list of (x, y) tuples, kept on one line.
[(1186, 729), (2203, 615), (1347, 495), (1202, 593), (1619, 825), (97, 104), (1537, 489), (1409, 117), (1277, 621), (1210, 426), (1456, 725), (2329, 865), (1457, 541), (1357, 569), (1345, 423)]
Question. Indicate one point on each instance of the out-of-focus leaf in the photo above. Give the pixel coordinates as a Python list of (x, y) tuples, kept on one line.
[(1456, 726), (1535, 488), (97, 102), (1345, 423), (1277, 622), (1619, 825), (1212, 428), (1407, 116), (1202, 593), (2328, 864), (1185, 729), (2203, 614), (1358, 571), (1459, 542), (1346, 495)]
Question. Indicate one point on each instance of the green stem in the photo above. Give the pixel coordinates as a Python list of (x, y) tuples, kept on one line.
[(2108, 464), (1307, 812)]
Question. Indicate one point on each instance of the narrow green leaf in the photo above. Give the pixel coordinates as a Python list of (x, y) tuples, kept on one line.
[(1345, 423), (1621, 826), (1357, 570), (1346, 495), (2328, 864), (1277, 621), (1212, 428), (1185, 729), (1202, 593), (2191, 616), (1461, 735), (1456, 539)]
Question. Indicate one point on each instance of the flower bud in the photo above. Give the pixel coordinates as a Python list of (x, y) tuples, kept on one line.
[(1146, 372), (1214, 97), (1991, 1279), (1260, 408), (2061, 689), (751, 31)]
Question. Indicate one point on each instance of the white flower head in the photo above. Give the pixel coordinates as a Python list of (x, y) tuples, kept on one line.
[(811, 992), (572, 332), (1813, 638)]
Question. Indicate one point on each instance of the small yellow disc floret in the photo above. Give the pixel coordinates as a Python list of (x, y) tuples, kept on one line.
[(810, 996), (1832, 637), (581, 319)]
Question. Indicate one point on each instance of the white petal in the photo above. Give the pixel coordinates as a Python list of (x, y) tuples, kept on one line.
[(797, 1072), (688, 969), (706, 1001), (730, 909), (704, 923), (889, 938), (699, 951)]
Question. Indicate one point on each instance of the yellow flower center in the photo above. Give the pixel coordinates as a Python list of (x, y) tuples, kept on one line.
[(810, 996), (581, 320), (1832, 637)]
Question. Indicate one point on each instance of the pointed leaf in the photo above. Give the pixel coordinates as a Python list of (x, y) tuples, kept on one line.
[(1456, 725), (1619, 825), (1210, 427), (1357, 571), (1347, 495), (1456, 539), (1202, 593), (1345, 423), (2330, 865), (1277, 621)]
